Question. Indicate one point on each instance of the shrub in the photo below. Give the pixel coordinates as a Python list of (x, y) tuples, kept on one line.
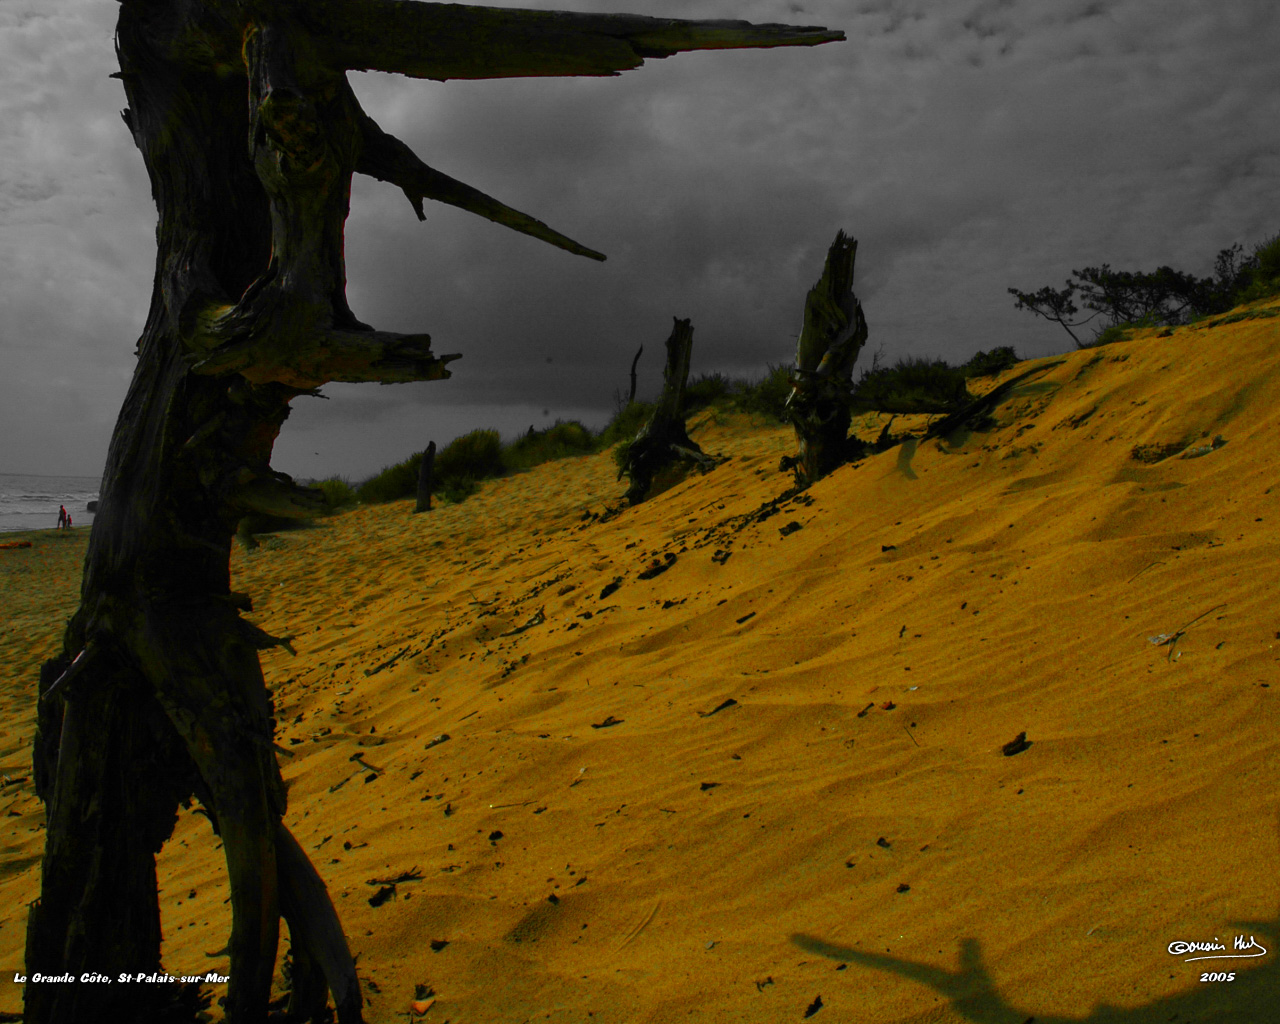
[(622, 452), (768, 395), (1120, 331), (705, 390), (988, 364), (626, 424), (455, 490), (477, 455), (1260, 277), (558, 441), (911, 385), (1109, 336), (464, 462), (338, 493), (457, 467), (1164, 297), (393, 483)]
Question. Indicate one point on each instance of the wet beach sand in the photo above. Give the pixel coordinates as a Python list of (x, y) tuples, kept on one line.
[(727, 758)]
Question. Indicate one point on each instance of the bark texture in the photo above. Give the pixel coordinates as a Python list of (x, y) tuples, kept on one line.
[(663, 446), (249, 133), (831, 337)]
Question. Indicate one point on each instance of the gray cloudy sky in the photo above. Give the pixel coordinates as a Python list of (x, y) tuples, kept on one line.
[(969, 146)]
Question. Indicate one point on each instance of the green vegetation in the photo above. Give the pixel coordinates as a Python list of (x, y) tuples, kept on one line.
[(988, 364), (626, 422), (1128, 300), (1259, 275), (480, 455), (472, 456), (911, 385), (561, 441), (338, 493), (767, 396), (393, 483), (1165, 297), (1121, 331), (622, 454), (706, 390)]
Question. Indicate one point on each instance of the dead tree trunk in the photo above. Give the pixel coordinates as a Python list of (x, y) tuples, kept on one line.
[(663, 445), (424, 479), (833, 334), (634, 363), (250, 134)]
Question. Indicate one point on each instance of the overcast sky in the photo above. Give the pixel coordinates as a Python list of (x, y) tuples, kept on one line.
[(969, 146)]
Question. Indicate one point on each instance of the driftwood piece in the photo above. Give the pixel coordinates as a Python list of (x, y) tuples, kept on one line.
[(663, 445), (424, 479), (831, 337), (250, 134), (315, 930)]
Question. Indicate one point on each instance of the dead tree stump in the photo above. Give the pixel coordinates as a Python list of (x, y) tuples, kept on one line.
[(663, 445), (424, 479), (833, 334), (250, 133)]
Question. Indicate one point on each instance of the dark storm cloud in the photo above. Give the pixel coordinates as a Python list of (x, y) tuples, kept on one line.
[(969, 146)]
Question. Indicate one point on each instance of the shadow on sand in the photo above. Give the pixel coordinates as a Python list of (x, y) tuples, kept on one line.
[(1253, 997)]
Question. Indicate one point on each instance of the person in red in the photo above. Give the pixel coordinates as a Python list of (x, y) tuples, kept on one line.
[(62, 517)]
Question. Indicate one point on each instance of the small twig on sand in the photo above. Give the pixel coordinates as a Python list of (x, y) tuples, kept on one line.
[(1201, 616), (1171, 639), (1142, 570)]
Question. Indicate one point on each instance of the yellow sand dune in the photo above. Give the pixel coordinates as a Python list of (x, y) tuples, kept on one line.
[(596, 841)]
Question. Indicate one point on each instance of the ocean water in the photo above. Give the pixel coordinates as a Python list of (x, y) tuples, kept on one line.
[(31, 502)]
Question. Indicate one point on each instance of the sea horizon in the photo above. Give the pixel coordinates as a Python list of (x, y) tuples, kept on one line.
[(30, 501)]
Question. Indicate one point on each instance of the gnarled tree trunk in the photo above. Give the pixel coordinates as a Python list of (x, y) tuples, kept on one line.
[(833, 334), (250, 134)]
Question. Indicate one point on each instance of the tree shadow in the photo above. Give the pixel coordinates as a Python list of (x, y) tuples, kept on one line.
[(1250, 998)]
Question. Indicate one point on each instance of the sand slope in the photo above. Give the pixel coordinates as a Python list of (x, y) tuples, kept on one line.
[(597, 842)]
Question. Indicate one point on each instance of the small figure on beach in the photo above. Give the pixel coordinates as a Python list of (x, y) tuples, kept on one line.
[(68, 520), (62, 517)]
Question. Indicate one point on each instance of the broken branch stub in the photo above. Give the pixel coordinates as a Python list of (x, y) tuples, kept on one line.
[(444, 41), (386, 158), (831, 337), (631, 397)]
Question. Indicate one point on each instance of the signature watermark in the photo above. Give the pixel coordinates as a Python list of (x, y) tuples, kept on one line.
[(1217, 950)]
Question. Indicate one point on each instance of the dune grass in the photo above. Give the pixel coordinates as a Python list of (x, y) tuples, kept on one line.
[(482, 455), (911, 384)]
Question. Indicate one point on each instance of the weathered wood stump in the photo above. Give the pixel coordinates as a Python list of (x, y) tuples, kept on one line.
[(663, 446), (250, 133), (831, 337), (424, 478)]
